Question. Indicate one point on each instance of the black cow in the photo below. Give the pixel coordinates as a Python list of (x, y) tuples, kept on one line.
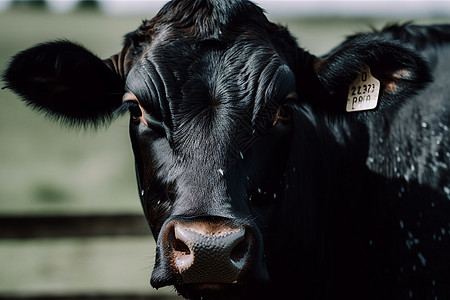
[(262, 167)]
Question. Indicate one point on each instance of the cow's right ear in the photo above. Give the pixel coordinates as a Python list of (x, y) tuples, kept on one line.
[(66, 82), (365, 75)]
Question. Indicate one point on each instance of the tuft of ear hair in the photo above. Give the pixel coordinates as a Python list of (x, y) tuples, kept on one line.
[(67, 83)]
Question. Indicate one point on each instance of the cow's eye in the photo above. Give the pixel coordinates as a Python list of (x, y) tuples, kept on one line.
[(135, 110), (284, 112), (283, 115)]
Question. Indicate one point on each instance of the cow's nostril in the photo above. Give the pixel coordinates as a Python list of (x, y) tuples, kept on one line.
[(181, 247), (239, 253), (183, 259)]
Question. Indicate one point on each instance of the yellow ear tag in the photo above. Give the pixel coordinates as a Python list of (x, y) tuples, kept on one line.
[(363, 92)]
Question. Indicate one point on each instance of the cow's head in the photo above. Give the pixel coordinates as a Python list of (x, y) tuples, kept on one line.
[(210, 86)]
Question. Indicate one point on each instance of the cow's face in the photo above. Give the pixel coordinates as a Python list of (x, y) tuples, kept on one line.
[(209, 86), (210, 132)]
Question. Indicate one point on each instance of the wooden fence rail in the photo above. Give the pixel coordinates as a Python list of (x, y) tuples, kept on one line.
[(17, 227), (44, 237)]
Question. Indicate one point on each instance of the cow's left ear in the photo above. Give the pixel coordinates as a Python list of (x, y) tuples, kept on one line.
[(66, 82), (368, 74)]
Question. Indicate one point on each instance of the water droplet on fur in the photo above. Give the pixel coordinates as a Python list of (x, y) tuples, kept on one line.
[(447, 191), (422, 259)]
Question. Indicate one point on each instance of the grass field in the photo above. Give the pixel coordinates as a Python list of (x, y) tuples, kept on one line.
[(46, 169)]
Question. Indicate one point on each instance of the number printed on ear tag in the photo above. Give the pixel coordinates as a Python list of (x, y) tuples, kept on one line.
[(363, 92)]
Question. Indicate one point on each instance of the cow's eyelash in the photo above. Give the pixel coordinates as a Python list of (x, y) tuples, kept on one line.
[(124, 108), (121, 110)]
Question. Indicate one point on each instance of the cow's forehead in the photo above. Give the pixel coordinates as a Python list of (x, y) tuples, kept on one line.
[(181, 71), (211, 87), (212, 54)]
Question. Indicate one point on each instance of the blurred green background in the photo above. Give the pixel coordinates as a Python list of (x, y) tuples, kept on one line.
[(47, 170)]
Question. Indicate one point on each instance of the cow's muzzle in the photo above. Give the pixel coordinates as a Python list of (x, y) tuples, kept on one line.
[(208, 255)]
